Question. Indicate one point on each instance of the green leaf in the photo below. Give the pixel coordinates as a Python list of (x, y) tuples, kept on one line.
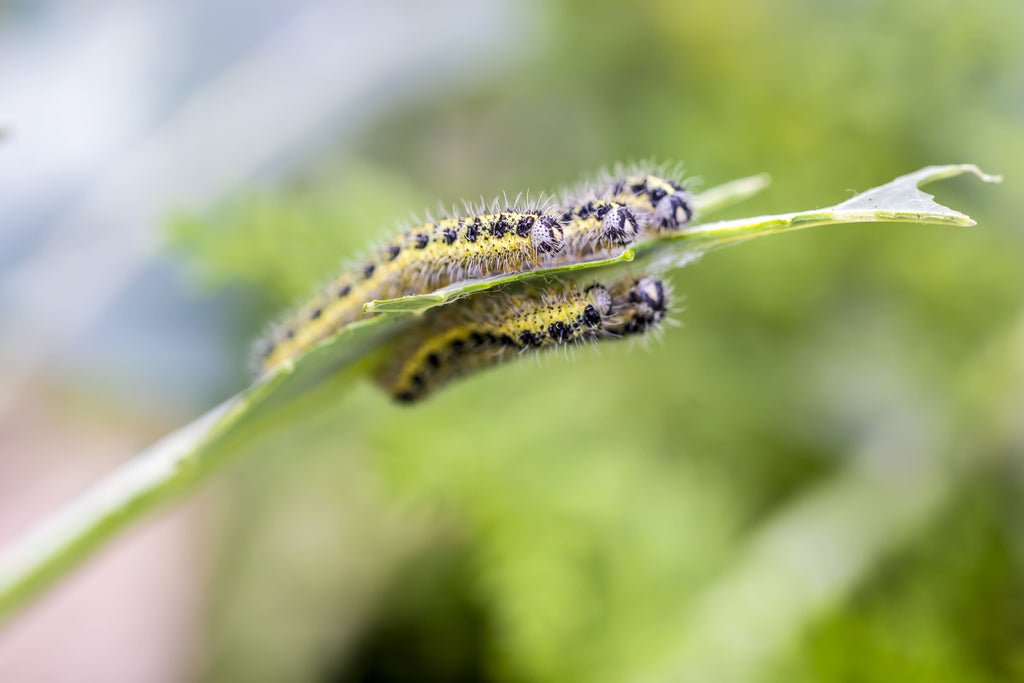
[(421, 302), (898, 201)]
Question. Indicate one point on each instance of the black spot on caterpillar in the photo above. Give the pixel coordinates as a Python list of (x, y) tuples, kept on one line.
[(487, 329)]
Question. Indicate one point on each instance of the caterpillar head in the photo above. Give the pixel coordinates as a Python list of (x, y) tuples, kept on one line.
[(673, 211), (649, 303), (546, 235), (619, 226)]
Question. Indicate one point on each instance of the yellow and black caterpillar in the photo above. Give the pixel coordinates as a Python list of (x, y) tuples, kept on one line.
[(439, 253), (421, 259), (487, 329)]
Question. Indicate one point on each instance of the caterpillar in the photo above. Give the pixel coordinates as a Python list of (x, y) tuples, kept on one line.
[(422, 258), (439, 253), (485, 330), (652, 192)]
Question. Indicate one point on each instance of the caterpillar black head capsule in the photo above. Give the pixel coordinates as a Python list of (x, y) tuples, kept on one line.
[(673, 211), (648, 303)]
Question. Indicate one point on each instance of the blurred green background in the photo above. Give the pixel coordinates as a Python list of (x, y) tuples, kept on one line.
[(818, 476)]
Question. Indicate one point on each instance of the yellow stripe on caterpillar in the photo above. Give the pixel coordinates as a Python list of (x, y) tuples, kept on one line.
[(484, 330)]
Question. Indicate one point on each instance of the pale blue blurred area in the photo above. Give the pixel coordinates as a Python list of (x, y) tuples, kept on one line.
[(117, 114)]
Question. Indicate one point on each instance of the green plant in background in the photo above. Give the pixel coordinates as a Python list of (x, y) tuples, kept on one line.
[(294, 389)]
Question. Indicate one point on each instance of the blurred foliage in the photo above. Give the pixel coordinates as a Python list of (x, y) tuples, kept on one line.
[(939, 610), (283, 244), (559, 521)]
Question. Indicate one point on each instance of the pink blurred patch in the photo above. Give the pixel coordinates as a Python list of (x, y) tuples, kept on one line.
[(130, 614)]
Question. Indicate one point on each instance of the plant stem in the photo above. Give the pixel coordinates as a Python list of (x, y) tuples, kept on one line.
[(170, 466)]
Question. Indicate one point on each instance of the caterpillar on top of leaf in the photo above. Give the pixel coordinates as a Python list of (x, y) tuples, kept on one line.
[(419, 260), (438, 253)]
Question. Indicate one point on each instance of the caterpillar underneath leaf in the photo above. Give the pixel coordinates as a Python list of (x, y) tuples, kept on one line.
[(488, 329)]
